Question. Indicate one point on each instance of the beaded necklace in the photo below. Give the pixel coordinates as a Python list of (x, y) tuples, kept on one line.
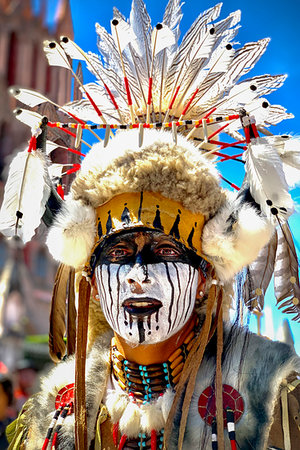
[(145, 383)]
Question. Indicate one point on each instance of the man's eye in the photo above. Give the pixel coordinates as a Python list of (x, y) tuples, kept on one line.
[(118, 252), (167, 251)]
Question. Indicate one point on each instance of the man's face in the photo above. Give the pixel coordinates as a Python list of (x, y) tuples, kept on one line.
[(147, 285)]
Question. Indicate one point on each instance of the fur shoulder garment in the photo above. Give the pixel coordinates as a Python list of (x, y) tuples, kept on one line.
[(252, 365)]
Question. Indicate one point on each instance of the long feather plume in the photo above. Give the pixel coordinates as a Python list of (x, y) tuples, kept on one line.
[(57, 330), (267, 181), (172, 18), (286, 276), (259, 274), (75, 52), (27, 96), (26, 192)]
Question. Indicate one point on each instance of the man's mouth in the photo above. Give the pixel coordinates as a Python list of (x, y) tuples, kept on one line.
[(143, 306)]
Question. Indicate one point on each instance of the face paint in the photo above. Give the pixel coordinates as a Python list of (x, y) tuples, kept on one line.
[(147, 286)]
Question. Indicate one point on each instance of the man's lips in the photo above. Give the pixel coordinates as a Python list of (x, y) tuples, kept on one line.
[(141, 306)]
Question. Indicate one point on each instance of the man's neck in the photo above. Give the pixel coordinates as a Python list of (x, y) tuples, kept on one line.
[(154, 353)]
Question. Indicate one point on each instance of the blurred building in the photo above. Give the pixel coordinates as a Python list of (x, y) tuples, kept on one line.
[(27, 274)]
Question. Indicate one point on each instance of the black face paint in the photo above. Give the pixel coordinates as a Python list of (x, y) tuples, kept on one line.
[(147, 255)]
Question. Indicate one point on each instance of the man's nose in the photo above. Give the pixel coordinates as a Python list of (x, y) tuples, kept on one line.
[(137, 278)]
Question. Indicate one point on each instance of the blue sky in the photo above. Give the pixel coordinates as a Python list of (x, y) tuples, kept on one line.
[(260, 19)]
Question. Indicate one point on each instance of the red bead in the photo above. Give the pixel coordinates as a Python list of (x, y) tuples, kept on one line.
[(231, 398), (153, 440), (115, 433)]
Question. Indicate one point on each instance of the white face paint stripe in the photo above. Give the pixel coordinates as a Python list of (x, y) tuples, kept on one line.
[(172, 296), (99, 272), (187, 296), (118, 298), (179, 295), (191, 303)]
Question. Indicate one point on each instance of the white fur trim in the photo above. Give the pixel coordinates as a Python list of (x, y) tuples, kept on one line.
[(134, 418), (130, 421), (231, 248), (72, 236)]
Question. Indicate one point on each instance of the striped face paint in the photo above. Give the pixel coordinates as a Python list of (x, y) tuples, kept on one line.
[(147, 285)]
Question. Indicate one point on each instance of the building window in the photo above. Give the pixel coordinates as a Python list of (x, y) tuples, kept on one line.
[(48, 80), (34, 65), (12, 59)]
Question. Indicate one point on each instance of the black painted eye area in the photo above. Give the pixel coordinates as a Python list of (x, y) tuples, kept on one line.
[(144, 246)]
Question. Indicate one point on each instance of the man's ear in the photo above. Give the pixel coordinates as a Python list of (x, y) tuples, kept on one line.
[(94, 290), (201, 285)]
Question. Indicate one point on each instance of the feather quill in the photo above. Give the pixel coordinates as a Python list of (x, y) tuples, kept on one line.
[(267, 181), (109, 52), (286, 277), (57, 329), (259, 274), (26, 191)]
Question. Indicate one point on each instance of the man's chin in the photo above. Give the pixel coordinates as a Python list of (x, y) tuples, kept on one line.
[(135, 340)]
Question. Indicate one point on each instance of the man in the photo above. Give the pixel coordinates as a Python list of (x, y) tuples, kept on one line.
[(152, 245), (161, 295)]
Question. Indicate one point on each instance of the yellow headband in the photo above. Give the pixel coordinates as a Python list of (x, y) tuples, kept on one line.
[(151, 210)]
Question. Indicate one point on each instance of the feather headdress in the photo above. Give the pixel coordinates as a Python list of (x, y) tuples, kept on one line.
[(146, 78)]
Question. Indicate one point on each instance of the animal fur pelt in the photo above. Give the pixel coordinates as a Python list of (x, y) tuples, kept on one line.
[(234, 237), (41, 410), (253, 365)]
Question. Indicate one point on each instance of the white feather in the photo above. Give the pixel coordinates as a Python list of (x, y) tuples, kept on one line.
[(27, 190), (27, 96), (72, 49), (266, 178), (56, 170), (50, 146), (221, 59), (56, 55), (30, 118), (141, 25), (289, 152), (122, 33), (164, 38)]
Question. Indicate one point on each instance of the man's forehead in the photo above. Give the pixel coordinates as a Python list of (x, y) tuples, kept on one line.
[(139, 237)]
